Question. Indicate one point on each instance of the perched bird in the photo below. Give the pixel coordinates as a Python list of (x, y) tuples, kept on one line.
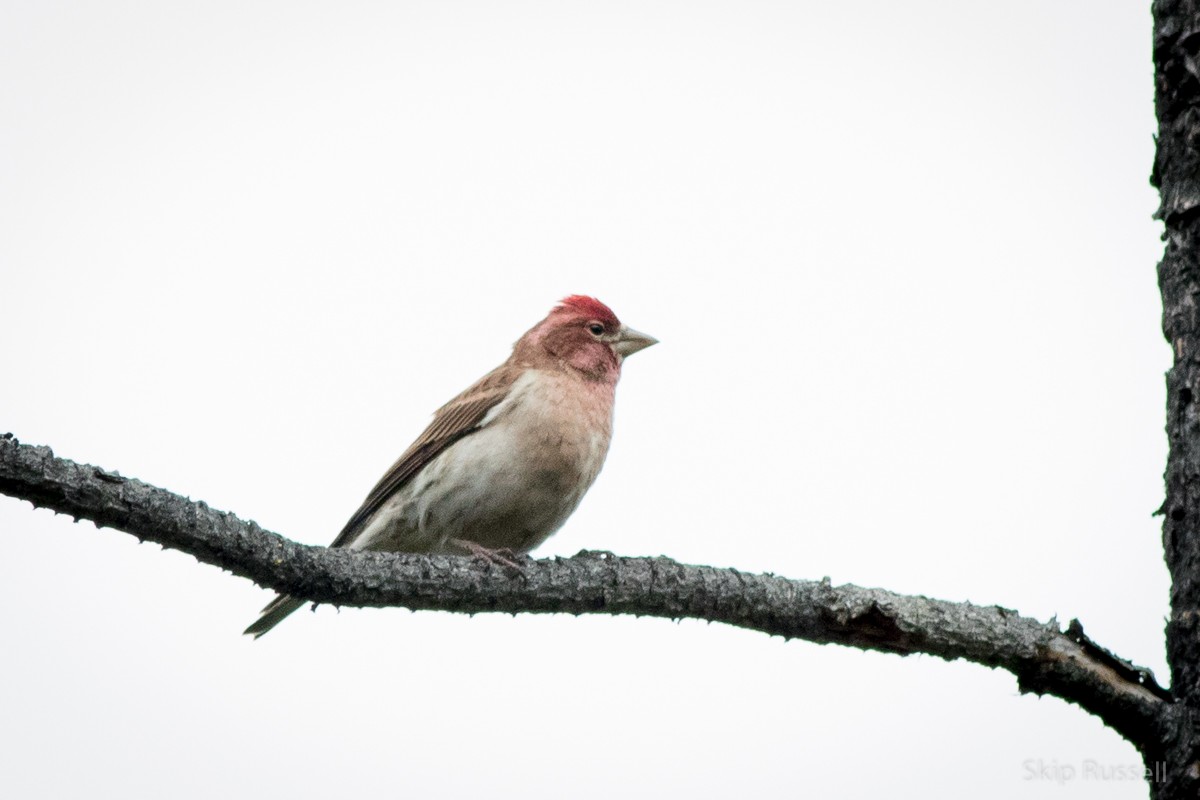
[(504, 464)]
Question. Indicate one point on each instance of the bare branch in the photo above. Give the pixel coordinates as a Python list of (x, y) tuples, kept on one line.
[(1044, 659), (1177, 106)]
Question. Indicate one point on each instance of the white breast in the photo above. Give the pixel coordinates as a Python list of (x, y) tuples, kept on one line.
[(512, 483)]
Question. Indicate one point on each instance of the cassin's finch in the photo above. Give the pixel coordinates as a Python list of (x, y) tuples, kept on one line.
[(504, 464)]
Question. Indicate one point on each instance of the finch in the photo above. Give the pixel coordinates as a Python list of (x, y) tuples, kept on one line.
[(503, 465)]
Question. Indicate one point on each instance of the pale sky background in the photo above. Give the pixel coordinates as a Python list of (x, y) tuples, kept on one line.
[(901, 259)]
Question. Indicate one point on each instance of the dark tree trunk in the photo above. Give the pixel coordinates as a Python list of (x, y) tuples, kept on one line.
[(1177, 175)]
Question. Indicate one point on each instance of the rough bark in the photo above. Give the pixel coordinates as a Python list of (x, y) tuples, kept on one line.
[(1045, 659), (1177, 175)]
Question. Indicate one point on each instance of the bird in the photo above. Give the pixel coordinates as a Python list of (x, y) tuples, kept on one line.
[(504, 464)]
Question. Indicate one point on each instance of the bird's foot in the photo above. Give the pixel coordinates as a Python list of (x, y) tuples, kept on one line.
[(504, 556)]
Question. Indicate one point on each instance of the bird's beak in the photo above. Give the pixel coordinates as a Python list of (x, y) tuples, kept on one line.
[(630, 341)]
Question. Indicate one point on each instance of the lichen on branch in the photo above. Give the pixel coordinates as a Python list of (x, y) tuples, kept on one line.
[(1045, 659)]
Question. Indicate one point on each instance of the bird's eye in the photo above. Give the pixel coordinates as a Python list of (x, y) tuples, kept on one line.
[(596, 328)]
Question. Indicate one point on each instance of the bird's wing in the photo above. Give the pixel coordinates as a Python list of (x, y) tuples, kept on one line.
[(460, 417)]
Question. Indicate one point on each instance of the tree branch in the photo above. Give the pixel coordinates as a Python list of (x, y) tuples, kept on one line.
[(1044, 659), (1177, 176)]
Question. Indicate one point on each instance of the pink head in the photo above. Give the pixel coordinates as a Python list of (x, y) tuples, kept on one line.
[(590, 307), (585, 335)]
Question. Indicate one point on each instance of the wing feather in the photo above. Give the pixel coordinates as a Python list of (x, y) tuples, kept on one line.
[(460, 417)]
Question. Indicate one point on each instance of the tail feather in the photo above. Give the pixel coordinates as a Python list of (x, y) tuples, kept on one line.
[(274, 614)]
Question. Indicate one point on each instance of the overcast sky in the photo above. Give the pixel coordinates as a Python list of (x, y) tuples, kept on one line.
[(901, 260)]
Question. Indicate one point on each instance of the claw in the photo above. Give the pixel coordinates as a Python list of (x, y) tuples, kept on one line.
[(503, 556)]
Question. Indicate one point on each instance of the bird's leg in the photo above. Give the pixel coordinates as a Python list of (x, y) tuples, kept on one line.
[(502, 556)]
